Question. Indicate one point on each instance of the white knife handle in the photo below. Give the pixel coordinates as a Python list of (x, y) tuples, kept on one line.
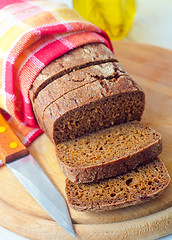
[(11, 148)]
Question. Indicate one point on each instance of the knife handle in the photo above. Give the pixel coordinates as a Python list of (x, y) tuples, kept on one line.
[(11, 147)]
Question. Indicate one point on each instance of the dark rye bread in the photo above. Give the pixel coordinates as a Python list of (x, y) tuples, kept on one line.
[(108, 152), (74, 80), (92, 107), (137, 186), (83, 56), (103, 100)]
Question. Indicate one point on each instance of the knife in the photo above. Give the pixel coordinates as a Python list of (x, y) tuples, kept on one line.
[(17, 158)]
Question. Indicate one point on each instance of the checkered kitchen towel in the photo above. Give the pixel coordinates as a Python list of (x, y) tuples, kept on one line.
[(32, 34)]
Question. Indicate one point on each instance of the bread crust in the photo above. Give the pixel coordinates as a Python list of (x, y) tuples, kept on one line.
[(77, 58), (76, 79)]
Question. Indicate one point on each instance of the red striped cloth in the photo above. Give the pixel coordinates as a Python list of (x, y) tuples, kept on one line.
[(4, 3), (33, 33)]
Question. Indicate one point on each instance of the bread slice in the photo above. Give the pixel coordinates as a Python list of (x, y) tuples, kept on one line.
[(75, 80), (83, 56), (95, 106), (108, 152), (137, 186)]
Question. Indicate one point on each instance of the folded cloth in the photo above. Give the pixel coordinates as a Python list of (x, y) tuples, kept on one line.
[(33, 33)]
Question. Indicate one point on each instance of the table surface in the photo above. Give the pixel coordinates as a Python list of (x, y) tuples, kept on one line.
[(152, 26)]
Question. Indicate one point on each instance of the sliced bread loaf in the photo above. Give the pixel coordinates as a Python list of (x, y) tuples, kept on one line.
[(107, 95), (83, 56), (137, 186), (108, 152)]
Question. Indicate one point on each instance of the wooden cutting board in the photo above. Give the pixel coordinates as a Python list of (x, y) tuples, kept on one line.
[(19, 212)]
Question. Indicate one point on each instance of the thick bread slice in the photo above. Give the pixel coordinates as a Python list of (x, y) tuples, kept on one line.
[(80, 57), (95, 106), (138, 186), (108, 152), (74, 80)]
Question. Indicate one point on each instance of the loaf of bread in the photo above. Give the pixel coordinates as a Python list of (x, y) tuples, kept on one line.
[(84, 92), (82, 101), (137, 186), (109, 152)]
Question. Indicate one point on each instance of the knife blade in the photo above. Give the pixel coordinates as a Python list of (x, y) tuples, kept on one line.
[(18, 159)]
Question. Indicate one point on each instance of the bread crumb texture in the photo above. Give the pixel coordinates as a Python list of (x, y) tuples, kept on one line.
[(134, 187), (107, 145)]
